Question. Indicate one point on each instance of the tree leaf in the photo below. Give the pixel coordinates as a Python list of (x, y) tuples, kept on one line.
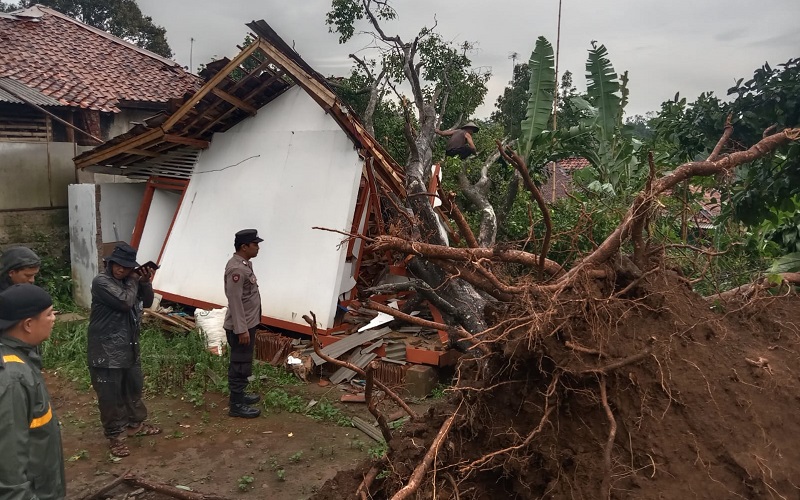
[(541, 88)]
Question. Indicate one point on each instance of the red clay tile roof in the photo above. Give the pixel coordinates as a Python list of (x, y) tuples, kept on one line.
[(82, 66), (574, 163)]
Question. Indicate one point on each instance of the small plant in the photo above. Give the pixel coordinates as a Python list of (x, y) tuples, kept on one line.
[(79, 455), (377, 451), (296, 457), (439, 391), (281, 473), (244, 483)]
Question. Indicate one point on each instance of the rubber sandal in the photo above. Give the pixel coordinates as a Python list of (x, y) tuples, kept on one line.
[(118, 448), (144, 430)]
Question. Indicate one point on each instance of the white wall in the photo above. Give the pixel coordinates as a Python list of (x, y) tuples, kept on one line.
[(159, 217), (83, 240), (119, 206), (283, 171)]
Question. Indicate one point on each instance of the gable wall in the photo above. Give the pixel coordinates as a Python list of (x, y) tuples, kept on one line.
[(287, 169)]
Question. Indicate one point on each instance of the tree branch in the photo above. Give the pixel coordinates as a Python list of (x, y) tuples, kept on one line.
[(386, 242), (522, 168), (644, 200)]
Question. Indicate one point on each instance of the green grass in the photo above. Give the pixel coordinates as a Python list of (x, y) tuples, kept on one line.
[(178, 365)]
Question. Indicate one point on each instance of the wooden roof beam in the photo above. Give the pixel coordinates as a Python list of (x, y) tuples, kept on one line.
[(235, 101), (133, 143), (186, 141), (209, 86)]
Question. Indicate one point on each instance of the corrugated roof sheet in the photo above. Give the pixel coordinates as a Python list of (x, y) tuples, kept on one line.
[(81, 66), (10, 89)]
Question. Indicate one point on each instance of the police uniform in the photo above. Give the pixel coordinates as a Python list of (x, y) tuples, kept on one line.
[(32, 465), (243, 315)]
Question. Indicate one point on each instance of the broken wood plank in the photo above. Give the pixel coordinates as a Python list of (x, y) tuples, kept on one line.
[(347, 343), (367, 428)]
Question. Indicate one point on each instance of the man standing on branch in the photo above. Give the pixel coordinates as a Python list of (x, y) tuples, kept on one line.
[(241, 320), (18, 265), (118, 296), (33, 462), (460, 143)]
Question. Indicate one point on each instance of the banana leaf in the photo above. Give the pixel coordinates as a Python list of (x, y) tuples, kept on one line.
[(603, 88), (540, 90)]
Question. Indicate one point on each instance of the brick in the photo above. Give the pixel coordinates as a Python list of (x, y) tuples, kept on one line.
[(420, 380)]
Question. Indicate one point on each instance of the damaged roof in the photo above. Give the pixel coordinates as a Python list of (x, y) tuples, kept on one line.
[(81, 66), (233, 91)]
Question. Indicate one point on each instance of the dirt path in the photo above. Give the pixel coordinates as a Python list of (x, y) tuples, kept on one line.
[(287, 455)]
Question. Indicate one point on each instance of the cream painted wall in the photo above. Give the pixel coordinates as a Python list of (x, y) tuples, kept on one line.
[(287, 169)]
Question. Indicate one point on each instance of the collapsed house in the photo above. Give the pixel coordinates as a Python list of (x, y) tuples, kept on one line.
[(264, 143)]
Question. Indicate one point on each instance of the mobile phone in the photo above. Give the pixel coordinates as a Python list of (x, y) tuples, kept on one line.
[(149, 264)]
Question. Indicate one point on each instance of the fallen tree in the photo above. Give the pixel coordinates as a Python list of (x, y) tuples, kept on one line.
[(573, 334)]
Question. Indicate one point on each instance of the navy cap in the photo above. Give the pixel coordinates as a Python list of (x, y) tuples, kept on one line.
[(246, 236), (20, 302)]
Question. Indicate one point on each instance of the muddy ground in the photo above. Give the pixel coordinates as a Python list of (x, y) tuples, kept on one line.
[(287, 455)]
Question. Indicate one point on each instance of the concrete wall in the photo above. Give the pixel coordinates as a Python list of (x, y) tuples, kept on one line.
[(84, 240), (33, 190), (44, 231), (119, 207), (94, 211)]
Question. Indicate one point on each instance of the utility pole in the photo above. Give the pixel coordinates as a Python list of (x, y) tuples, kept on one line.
[(513, 56), (555, 98), (191, 49)]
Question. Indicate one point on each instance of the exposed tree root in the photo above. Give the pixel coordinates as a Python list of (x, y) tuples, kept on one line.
[(418, 475), (605, 486)]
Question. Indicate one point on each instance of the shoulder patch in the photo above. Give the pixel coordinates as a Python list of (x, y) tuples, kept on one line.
[(235, 277)]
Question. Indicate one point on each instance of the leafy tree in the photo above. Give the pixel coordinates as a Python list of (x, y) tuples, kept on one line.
[(121, 18), (764, 195)]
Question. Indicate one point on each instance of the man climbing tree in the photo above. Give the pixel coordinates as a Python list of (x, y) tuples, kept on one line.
[(460, 143)]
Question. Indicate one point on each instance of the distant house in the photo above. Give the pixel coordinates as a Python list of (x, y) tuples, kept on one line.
[(559, 180), (265, 143), (64, 88)]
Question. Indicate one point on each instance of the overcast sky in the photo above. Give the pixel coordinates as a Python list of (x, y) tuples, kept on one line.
[(667, 46)]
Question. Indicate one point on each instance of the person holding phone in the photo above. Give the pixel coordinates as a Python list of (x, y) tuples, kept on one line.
[(119, 295), (241, 320)]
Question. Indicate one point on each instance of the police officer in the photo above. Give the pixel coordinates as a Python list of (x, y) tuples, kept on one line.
[(33, 462), (241, 320)]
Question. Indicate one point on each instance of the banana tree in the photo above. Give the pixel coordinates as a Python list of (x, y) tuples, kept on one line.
[(613, 152)]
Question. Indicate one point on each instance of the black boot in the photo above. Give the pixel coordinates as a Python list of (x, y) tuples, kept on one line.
[(251, 399), (238, 408)]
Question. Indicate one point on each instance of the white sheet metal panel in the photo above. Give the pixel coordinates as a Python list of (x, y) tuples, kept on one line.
[(162, 210), (83, 250), (287, 169)]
